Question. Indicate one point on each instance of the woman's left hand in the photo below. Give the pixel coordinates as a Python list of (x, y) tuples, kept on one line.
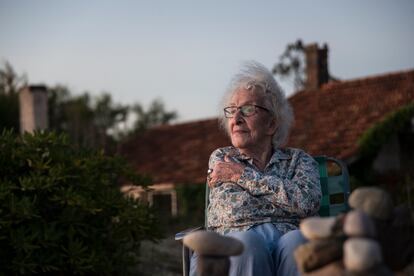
[(227, 171)]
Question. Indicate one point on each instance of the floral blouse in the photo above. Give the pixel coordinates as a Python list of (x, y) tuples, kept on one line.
[(286, 191)]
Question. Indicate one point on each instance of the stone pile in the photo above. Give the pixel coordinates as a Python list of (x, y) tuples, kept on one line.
[(373, 239)]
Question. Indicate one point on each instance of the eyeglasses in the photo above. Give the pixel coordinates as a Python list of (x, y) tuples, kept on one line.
[(246, 110)]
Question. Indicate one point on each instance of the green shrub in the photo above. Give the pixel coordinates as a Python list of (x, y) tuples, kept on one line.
[(62, 212), (375, 137)]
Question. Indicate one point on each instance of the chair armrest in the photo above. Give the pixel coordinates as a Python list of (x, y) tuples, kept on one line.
[(180, 235)]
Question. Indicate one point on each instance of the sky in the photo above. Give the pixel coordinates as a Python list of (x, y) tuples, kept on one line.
[(185, 52)]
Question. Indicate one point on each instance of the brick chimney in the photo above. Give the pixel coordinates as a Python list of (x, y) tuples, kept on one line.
[(33, 108), (316, 66)]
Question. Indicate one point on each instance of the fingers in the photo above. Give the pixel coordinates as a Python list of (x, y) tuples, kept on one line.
[(224, 171), (212, 176)]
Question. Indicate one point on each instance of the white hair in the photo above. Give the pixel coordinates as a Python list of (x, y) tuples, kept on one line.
[(254, 75)]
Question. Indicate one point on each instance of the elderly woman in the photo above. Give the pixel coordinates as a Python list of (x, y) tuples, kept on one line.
[(260, 191)]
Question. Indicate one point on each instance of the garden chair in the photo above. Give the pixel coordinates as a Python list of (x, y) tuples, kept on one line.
[(335, 193)]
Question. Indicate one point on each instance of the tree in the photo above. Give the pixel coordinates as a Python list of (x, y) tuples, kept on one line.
[(89, 121), (10, 81), (73, 115), (99, 121), (108, 116), (10, 84), (57, 97), (153, 116), (292, 64)]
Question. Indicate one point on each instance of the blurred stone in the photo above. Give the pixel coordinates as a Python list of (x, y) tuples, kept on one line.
[(211, 243), (315, 228), (338, 227), (333, 268), (361, 254), (374, 201), (213, 266), (317, 253), (358, 224)]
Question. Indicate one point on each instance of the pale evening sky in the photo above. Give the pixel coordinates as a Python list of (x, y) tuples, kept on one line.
[(185, 52)]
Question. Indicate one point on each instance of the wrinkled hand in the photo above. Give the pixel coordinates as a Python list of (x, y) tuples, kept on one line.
[(227, 171)]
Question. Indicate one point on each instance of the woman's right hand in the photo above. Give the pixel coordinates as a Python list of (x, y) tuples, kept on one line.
[(224, 171)]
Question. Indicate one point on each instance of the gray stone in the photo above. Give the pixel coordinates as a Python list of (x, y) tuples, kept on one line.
[(374, 201), (211, 243), (333, 268), (317, 253), (361, 254), (338, 227), (315, 228), (358, 224)]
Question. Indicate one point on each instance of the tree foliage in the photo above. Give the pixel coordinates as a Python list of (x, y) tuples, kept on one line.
[(292, 64), (10, 81), (10, 84), (155, 115), (62, 212), (376, 136)]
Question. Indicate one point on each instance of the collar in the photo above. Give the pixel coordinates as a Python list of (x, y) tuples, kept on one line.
[(279, 154)]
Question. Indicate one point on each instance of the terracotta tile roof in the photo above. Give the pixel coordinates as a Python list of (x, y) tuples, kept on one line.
[(176, 153), (331, 120), (328, 121)]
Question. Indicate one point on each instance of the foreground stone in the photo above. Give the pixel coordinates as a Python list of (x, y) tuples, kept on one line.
[(317, 253), (213, 244), (331, 269), (358, 224), (373, 201), (361, 254), (315, 228)]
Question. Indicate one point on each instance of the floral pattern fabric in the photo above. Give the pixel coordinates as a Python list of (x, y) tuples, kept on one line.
[(286, 191)]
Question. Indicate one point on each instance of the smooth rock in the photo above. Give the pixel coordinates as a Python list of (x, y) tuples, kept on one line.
[(333, 268), (315, 228), (214, 244), (358, 224), (317, 253), (338, 227), (361, 254), (374, 201)]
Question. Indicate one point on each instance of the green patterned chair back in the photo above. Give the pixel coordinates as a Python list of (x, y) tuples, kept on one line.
[(335, 186)]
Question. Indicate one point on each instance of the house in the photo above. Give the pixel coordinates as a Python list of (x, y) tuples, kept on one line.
[(331, 118)]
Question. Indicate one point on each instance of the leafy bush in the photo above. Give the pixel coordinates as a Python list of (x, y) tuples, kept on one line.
[(61, 210), (376, 136)]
